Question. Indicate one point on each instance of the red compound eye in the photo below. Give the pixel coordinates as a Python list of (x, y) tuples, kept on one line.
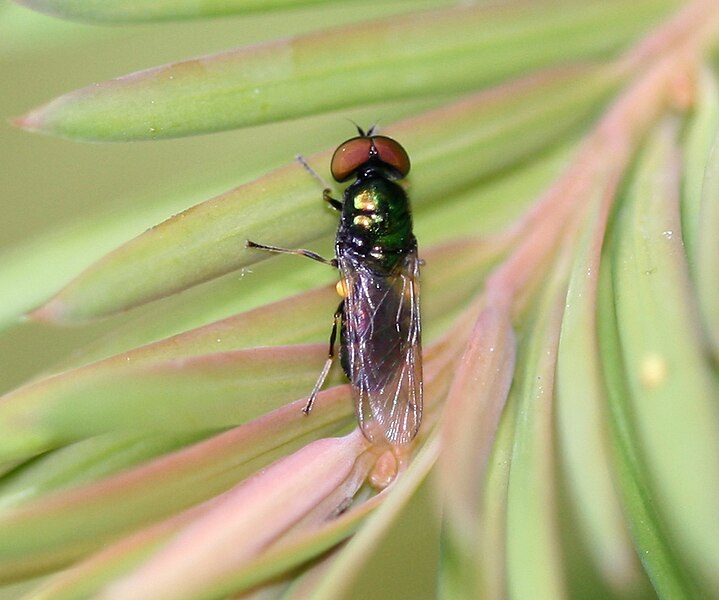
[(349, 157), (392, 154), (354, 153)]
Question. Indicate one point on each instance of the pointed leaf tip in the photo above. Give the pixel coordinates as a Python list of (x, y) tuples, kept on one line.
[(29, 121), (53, 311)]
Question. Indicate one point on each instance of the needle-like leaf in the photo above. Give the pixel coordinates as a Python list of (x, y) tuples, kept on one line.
[(461, 142), (666, 416), (568, 293), (132, 11), (450, 50)]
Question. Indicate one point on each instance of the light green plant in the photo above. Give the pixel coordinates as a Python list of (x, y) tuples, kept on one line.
[(565, 192)]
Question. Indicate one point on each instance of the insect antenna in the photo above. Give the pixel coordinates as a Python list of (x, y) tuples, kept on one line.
[(361, 131)]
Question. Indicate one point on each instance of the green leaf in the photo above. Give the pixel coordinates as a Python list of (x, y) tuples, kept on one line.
[(701, 136), (450, 277), (183, 394), (700, 206), (438, 52), (491, 559), (665, 420), (131, 11), (484, 208), (582, 446), (86, 461), (656, 553), (20, 31), (210, 376), (28, 277), (534, 565), (450, 148)]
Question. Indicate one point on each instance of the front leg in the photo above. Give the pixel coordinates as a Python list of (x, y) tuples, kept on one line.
[(327, 191), (334, 203), (299, 252)]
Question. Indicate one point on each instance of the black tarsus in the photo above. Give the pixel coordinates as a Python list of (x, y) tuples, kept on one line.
[(328, 363), (333, 335), (333, 202)]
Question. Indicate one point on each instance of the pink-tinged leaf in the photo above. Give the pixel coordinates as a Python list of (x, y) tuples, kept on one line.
[(340, 575), (84, 579), (470, 419), (51, 531), (243, 522), (299, 545), (212, 390), (301, 318), (474, 404), (171, 483)]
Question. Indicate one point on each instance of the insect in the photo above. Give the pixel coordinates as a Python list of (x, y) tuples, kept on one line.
[(376, 254)]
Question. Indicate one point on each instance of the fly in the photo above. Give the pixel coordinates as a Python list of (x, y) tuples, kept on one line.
[(378, 316)]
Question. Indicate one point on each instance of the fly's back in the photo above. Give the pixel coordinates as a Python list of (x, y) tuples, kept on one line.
[(376, 222)]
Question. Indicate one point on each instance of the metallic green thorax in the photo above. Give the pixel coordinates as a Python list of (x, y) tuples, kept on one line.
[(376, 222)]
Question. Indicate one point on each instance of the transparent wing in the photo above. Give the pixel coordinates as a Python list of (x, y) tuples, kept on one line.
[(381, 346)]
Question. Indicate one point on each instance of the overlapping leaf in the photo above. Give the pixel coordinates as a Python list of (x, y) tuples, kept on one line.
[(457, 145), (666, 414), (613, 389)]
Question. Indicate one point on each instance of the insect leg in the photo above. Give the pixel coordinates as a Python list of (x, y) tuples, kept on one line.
[(299, 252), (327, 190), (333, 202), (311, 171), (328, 362)]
